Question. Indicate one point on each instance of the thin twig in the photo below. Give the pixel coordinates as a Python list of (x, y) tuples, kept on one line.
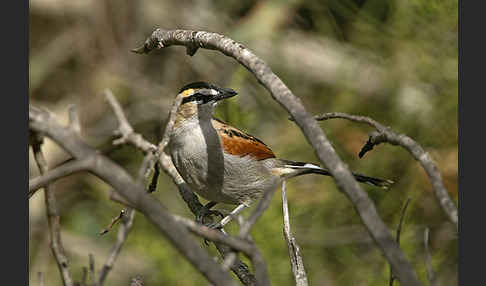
[(53, 218), (125, 130), (50, 176), (399, 230), (92, 270), (123, 230), (428, 260), (385, 134), (113, 222), (365, 207), (296, 261)]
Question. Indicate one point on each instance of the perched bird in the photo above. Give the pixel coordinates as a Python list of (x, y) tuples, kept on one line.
[(224, 164)]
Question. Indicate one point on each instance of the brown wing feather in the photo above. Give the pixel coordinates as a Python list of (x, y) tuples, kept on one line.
[(239, 143)]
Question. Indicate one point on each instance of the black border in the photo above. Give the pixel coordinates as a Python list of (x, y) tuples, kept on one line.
[(14, 116), (470, 121)]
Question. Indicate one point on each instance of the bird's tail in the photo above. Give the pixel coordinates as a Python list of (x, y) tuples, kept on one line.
[(307, 168)]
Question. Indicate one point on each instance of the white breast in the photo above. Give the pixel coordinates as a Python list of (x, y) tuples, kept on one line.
[(217, 176)]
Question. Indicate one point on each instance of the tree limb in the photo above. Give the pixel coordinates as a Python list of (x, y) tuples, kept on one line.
[(385, 134), (193, 40), (134, 193), (64, 170)]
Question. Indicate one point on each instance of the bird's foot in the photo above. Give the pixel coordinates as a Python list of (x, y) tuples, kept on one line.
[(206, 213)]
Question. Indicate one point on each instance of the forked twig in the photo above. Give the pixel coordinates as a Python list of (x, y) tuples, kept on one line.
[(385, 134)]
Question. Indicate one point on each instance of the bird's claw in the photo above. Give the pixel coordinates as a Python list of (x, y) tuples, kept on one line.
[(205, 212)]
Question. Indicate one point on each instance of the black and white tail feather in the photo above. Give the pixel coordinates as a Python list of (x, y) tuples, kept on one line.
[(308, 168)]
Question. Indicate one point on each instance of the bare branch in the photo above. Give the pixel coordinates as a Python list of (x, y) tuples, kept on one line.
[(193, 40), (123, 230), (113, 222), (296, 261), (53, 218), (116, 197), (64, 170), (399, 230), (127, 216), (125, 130), (237, 266), (133, 192), (428, 260), (217, 236), (385, 134)]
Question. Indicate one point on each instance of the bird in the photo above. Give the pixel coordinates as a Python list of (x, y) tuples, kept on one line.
[(224, 164)]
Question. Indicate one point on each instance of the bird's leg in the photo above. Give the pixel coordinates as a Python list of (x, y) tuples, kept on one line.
[(229, 217), (205, 211)]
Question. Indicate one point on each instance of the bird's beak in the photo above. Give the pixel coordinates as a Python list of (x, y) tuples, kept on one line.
[(225, 93)]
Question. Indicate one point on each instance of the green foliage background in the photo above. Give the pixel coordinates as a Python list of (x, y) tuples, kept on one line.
[(396, 61)]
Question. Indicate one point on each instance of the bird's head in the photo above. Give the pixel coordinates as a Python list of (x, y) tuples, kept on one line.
[(201, 97), (202, 93)]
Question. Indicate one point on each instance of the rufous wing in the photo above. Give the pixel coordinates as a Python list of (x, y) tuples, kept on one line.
[(239, 143)]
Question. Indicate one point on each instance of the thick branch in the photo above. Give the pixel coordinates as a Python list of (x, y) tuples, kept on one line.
[(133, 192), (385, 134), (193, 40), (53, 218)]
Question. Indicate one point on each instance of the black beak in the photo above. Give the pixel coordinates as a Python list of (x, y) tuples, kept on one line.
[(225, 93)]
